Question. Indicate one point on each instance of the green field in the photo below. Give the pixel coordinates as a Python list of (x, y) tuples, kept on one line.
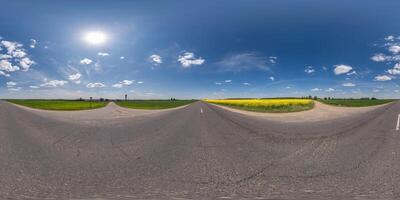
[(356, 102), (153, 104), (58, 104)]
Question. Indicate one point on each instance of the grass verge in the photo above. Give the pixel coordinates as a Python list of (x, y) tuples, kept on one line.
[(356, 102), (153, 104), (267, 105), (59, 104)]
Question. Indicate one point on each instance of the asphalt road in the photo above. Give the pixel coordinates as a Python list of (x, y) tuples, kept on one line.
[(199, 152)]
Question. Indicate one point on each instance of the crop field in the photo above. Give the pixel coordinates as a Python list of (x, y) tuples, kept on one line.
[(356, 102), (267, 105), (153, 104), (59, 104)]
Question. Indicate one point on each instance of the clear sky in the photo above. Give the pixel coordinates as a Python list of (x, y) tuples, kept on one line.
[(199, 49)]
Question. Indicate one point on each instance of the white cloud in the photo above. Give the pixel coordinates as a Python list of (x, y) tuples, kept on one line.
[(95, 85), (123, 83), (11, 84), (7, 66), (86, 61), (187, 59), (218, 83), (5, 56), (316, 89), (375, 90), (228, 81), (103, 54), (4, 74), (122, 57), (15, 89), (272, 59), (11, 46), (246, 84), (140, 82), (382, 78), (26, 63), (330, 90), (272, 78), (245, 62), (155, 59), (34, 87), (395, 49), (351, 73), (309, 70), (380, 57), (54, 83), (342, 69), (33, 43), (348, 84), (75, 78), (395, 70), (390, 38)]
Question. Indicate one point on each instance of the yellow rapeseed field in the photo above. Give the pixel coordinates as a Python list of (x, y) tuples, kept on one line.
[(267, 105)]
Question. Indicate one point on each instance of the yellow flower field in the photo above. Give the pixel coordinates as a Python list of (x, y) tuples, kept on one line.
[(267, 105)]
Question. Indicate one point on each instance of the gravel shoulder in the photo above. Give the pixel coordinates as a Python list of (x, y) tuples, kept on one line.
[(320, 112)]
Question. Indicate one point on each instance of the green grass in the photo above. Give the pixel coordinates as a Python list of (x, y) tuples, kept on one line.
[(356, 102), (273, 109), (58, 104), (153, 104)]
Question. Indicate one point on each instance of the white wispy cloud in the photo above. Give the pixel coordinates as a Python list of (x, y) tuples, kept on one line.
[(155, 59), (348, 84), (34, 86), (53, 83), (228, 81), (390, 38), (11, 84), (140, 82), (395, 49), (86, 61), (382, 78), (15, 89), (316, 89), (122, 57), (271, 78), (103, 54), (123, 83), (75, 78), (4, 74), (26, 63), (342, 69), (248, 84), (218, 83), (330, 90), (7, 66), (95, 85), (188, 59), (309, 70), (395, 70), (33, 43), (380, 57), (246, 61)]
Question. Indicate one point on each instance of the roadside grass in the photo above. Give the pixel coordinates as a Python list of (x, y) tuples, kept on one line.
[(267, 105), (64, 105), (153, 104), (356, 102)]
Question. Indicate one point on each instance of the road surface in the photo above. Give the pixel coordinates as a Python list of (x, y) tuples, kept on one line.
[(200, 151)]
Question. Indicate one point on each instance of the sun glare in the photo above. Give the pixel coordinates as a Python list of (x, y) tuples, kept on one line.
[(95, 37)]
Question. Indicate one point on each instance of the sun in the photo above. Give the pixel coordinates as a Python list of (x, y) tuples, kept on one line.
[(95, 37)]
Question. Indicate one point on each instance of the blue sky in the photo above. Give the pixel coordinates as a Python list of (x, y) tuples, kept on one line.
[(199, 49)]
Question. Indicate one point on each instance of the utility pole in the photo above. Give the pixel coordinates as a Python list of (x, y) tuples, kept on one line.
[(126, 97)]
